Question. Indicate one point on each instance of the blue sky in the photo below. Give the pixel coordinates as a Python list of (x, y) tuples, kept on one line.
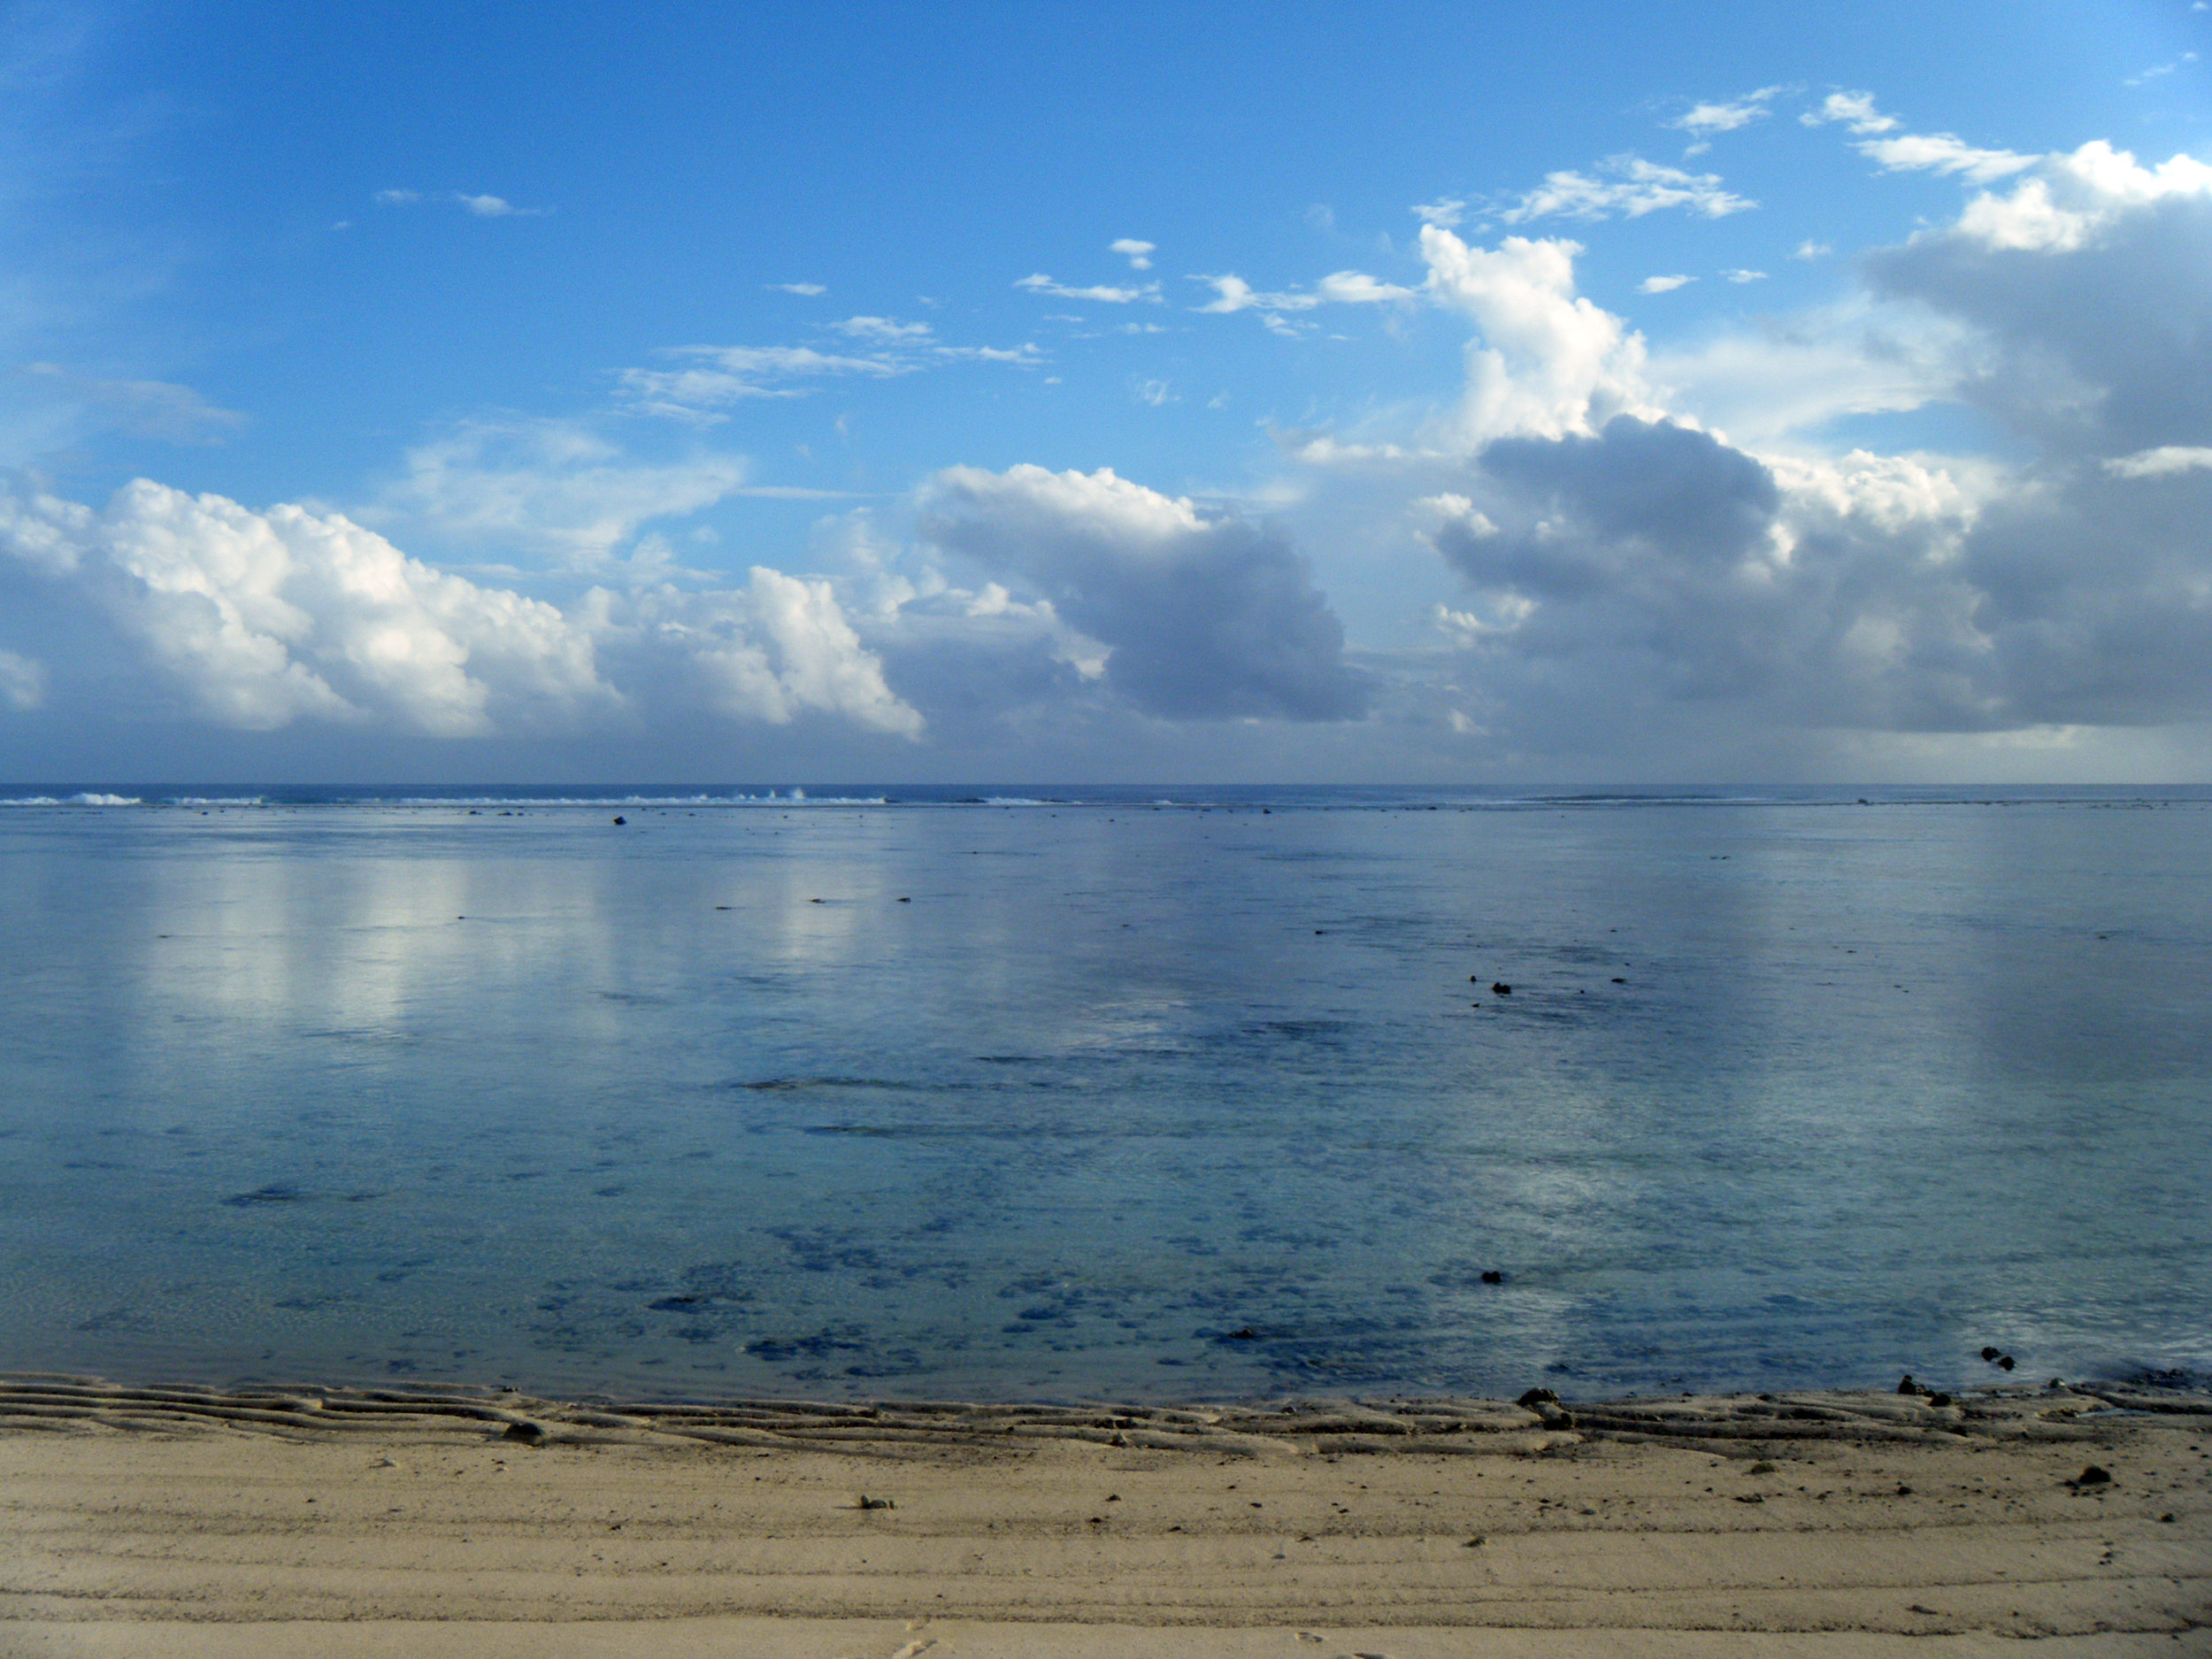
[(999, 391)]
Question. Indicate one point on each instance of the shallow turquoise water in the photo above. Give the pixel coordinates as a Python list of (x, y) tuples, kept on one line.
[(1105, 1099)]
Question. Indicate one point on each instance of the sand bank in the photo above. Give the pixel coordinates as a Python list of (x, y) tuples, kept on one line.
[(146, 1523)]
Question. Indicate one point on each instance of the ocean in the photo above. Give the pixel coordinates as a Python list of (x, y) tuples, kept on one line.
[(1142, 1095)]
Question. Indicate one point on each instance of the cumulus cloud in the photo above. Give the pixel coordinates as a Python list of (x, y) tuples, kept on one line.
[(1137, 253), (1627, 187), (256, 621), (1204, 616), (1636, 569), (1855, 110), (1546, 360), (2092, 282), (261, 619)]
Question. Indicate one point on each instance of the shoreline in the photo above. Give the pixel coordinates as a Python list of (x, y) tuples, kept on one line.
[(1325, 1425), (210, 1524)]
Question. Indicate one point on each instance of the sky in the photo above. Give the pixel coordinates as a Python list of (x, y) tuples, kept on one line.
[(1300, 392)]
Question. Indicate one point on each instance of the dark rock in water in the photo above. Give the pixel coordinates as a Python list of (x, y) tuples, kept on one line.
[(2094, 1475), (620, 820), (1242, 1333), (529, 1433), (1536, 1397), (2005, 1363), (1906, 1386), (1494, 1276), (1939, 1400), (1990, 1353), (1617, 980), (906, 900), (1499, 988)]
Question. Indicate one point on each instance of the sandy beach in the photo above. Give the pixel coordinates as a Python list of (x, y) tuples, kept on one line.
[(145, 1523)]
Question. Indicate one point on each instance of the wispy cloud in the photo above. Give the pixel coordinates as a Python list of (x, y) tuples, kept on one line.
[(480, 207), (1703, 120), (1234, 293), (1664, 284), (1943, 152), (1445, 212), (807, 290), (1740, 276), (881, 328), (2161, 69), (1038, 282), (709, 379), (1630, 187)]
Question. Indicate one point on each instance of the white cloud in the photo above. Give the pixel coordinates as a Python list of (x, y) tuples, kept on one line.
[(23, 682), (1631, 188), (1137, 253), (398, 198), (1205, 617), (261, 620), (1546, 360), (1811, 250), (1158, 394), (774, 650), (546, 489), (1446, 212), (805, 290), (1355, 287), (264, 618), (1704, 119), (2166, 461), (1855, 110), (1942, 153), (1664, 284), (1038, 282), (1234, 293), (1640, 564), (1743, 276), (883, 328)]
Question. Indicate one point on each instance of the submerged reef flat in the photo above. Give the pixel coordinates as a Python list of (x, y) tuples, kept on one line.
[(272, 1521)]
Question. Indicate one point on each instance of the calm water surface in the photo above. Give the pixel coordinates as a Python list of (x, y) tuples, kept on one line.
[(1105, 1099)]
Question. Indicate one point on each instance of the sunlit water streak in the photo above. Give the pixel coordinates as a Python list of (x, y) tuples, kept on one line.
[(906, 1094)]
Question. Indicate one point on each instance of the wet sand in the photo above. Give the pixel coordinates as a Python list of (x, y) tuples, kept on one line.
[(139, 1523)]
